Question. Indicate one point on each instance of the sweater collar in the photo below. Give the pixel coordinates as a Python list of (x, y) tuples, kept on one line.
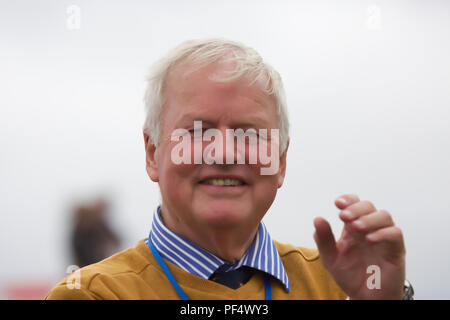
[(261, 255)]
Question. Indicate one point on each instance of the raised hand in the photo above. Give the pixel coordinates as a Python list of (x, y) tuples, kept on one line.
[(369, 238)]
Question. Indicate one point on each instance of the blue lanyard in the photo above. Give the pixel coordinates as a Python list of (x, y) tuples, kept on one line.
[(176, 286)]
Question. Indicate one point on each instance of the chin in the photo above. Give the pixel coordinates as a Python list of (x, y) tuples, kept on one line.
[(224, 217)]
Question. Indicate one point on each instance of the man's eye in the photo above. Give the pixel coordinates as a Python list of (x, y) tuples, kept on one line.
[(248, 133), (264, 137), (197, 130), (197, 133)]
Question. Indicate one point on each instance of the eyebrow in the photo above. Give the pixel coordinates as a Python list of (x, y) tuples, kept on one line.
[(252, 122)]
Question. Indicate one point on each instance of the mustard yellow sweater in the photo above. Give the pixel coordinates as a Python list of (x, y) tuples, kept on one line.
[(135, 274)]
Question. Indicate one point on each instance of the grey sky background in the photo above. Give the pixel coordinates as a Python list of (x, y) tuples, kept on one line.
[(367, 85)]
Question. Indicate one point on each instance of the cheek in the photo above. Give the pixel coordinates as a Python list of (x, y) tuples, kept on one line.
[(177, 176), (176, 187), (263, 155), (174, 178), (265, 190)]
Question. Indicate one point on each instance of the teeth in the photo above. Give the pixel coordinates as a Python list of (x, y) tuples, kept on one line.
[(224, 182)]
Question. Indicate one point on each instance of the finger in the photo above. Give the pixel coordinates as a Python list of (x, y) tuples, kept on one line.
[(325, 240), (392, 235), (373, 221), (357, 210), (346, 200)]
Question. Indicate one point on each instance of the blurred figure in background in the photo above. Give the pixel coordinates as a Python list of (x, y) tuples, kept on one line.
[(92, 238)]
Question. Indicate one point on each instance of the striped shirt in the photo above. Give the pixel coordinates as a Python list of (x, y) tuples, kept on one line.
[(261, 255)]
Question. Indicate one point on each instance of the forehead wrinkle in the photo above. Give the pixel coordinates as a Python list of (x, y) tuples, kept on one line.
[(260, 118), (248, 122), (180, 91)]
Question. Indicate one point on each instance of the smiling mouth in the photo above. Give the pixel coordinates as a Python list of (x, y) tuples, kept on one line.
[(223, 182)]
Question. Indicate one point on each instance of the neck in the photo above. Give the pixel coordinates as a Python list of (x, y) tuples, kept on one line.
[(229, 244)]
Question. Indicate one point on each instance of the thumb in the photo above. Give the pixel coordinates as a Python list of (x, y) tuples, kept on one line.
[(325, 241)]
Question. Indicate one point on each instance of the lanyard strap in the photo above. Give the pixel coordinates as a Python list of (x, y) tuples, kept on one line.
[(267, 288), (176, 286), (166, 270)]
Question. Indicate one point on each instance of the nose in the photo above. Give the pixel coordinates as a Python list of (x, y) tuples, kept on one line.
[(223, 150)]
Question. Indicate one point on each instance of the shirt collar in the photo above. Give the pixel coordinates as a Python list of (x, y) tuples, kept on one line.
[(261, 255)]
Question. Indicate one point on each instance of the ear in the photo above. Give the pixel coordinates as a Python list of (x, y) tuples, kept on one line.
[(151, 164), (282, 171)]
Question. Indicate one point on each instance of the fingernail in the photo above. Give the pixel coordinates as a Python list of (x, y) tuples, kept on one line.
[(358, 224), (342, 201), (372, 237), (347, 214)]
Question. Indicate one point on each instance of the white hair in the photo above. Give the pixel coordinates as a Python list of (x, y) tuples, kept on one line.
[(201, 53)]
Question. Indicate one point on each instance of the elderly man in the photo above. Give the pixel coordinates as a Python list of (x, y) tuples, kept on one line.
[(214, 108)]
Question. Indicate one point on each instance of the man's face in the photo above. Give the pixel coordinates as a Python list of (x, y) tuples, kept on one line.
[(190, 202)]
